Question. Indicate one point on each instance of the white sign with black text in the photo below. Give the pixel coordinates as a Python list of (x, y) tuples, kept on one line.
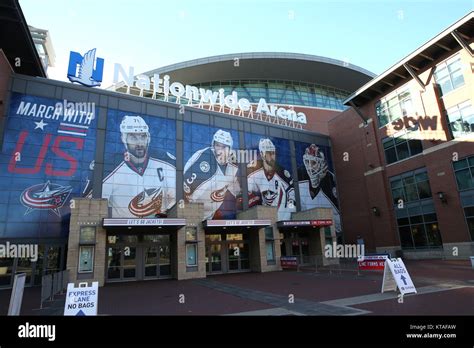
[(81, 300), (396, 275)]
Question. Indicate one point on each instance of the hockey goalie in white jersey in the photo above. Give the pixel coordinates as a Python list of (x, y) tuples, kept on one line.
[(319, 188), (141, 185), (211, 178), (270, 184)]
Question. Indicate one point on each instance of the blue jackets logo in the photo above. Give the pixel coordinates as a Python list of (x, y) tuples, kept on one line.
[(86, 74)]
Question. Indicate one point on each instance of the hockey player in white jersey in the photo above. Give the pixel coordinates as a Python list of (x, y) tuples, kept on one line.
[(211, 178), (270, 184), (319, 188), (140, 186)]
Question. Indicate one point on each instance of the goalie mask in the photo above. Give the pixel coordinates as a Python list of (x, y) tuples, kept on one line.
[(315, 165)]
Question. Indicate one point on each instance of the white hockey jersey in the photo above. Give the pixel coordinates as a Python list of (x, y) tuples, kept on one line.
[(277, 191), (318, 201), (205, 181), (144, 191)]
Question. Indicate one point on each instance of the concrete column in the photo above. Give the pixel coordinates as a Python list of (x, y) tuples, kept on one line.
[(87, 212), (193, 213)]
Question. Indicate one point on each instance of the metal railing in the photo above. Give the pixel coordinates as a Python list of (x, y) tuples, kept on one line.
[(53, 284), (315, 263)]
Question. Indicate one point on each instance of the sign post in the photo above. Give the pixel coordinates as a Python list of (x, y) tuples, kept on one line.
[(396, 275), (81, 300)]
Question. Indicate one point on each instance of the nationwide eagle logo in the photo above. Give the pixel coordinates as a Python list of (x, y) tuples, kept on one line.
[(45, 196), (146, 203)]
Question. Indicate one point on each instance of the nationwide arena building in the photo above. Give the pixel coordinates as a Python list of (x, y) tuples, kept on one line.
[(230, 163)]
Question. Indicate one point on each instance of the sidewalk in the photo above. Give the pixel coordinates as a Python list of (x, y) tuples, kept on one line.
[(444, 288)]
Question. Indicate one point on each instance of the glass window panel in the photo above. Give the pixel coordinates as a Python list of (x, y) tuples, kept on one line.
[(464, 179), (191, 255), (411, 192), (403, 221), (86, 259), (470, 226), (471, 161), (398, 194), (433, 235), (402, 151), (469, 211), (416, 219), (460, 164), (421, 177), (87, 234), (424, 190), (415, 147), (405, 237), (269, 249), (457, 79), (419, 235), (445, 85), (391, 155)]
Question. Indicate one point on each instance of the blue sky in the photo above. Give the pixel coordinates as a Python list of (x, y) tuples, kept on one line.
[(148, 34)]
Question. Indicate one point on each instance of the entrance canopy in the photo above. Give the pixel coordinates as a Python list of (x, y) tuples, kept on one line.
[(173, 224), (303, 223), (234, 224)]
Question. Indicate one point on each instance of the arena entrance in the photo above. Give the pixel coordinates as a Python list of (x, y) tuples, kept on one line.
[(302, 238), (140, 252), (230, 244)]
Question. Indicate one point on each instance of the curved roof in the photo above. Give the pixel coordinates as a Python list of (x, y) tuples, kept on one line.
[(269, 66)]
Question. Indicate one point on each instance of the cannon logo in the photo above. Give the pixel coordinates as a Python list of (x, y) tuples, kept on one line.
[(148, 202), (45, 196)]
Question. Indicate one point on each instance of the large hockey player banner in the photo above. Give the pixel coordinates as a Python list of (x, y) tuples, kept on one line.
[(211, 170), (46, 160), (269, 179), (316, 179), (139, 165)]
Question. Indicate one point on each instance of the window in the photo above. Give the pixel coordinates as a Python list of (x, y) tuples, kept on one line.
[(401, 147), (469, 212), (410, 186), (191, 246), (87, 235), (464, 172), (86, 259), (419, 231), (191, 255), (461, 119), (394, 106), (448, 75), (269, 244), (86, 249), (191, 233)]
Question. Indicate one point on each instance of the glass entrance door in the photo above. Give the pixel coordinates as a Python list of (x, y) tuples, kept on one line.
[(227, 253), (238, 257)]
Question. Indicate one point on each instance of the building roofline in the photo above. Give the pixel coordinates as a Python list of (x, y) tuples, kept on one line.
[(259, 55), (400, 64)]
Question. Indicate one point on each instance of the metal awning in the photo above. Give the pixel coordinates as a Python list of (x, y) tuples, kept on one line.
[(141, 223), (304, 223), (235, 223), (458, 36)]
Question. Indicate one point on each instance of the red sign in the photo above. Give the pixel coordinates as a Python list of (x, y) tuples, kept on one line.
[(372, 262), (289, 262)]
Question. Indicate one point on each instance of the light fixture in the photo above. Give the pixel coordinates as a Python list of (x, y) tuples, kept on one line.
[(442, 197), (129, 227), (376, 211)]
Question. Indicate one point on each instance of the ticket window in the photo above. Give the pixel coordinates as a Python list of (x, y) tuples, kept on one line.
[(86, 249)]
